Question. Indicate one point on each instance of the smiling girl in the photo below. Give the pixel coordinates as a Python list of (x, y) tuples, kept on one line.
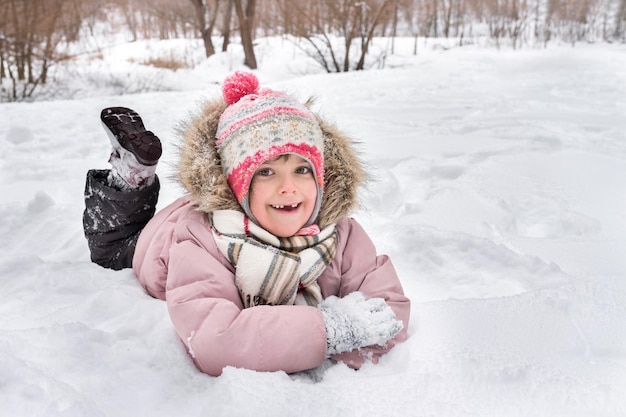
[(283, 194), (259, 263)]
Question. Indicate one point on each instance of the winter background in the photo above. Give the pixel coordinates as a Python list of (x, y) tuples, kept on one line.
[(498, 192)]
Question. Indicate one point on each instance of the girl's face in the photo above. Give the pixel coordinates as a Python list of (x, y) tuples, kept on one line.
[(282, 194)]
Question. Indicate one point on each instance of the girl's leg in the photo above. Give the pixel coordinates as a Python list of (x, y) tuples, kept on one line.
[(119, 202), (113, 219)]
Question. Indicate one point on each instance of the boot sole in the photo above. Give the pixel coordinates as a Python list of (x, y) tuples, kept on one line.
[(126, 127)]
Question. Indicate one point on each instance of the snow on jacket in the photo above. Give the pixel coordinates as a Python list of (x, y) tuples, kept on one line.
[(177, 260)]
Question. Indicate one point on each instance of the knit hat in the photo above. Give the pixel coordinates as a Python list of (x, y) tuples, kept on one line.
[(258, 125)]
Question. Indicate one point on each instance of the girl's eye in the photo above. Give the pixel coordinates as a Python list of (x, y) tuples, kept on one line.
[(303, 170), (264, 172)]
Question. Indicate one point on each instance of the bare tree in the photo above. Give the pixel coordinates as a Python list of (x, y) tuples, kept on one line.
[(245, 15), (170, 18), (620, 21), (307, 21), (4, 43), (336, 32), (31, 33), (227, 17), (206, 16), (368, 28), (434, 17)]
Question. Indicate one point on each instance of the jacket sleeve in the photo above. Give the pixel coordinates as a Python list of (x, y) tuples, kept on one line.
[(374, 275), (207, 313)]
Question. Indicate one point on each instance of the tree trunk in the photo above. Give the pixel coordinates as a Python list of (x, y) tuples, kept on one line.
[(361, 64), (620, 24), (209, 49), (245, 28), (206, 29), (394, 27), (227, 16)]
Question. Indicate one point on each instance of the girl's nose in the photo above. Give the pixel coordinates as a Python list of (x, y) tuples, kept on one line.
[(287, 185)]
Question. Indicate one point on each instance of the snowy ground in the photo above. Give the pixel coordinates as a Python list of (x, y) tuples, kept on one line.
[(499, 195)]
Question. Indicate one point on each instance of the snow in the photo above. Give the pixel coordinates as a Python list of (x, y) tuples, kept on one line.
[(498, 193)]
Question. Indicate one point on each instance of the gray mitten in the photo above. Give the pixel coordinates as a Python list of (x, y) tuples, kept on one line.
[(354, 322)]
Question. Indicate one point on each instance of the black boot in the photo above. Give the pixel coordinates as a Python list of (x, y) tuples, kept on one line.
[(136, 150), (125, 127)]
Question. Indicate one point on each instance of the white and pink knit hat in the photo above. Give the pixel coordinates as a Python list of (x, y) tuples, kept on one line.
[(260, 124)]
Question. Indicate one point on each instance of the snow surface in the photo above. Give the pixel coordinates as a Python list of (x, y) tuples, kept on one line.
[(499, 194)]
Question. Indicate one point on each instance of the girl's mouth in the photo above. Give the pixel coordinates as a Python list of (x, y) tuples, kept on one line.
[(285, 207)]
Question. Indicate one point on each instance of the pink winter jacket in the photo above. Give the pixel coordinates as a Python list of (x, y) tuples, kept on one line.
[(177, 260)]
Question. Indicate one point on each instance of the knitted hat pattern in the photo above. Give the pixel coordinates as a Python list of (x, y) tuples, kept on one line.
[(260, 124)]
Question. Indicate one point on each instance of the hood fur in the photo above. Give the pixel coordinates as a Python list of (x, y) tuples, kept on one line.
[(200, 172)]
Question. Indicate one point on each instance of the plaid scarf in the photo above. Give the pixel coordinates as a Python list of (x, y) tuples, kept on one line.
[(270, 270)]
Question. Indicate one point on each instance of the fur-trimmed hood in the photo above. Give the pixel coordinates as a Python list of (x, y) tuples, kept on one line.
[(200, 171)]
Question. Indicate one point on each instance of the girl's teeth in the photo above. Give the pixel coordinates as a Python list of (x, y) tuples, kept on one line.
[(282, 206)]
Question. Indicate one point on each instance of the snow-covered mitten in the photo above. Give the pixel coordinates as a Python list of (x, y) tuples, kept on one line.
[(354, 321), (135, 152)]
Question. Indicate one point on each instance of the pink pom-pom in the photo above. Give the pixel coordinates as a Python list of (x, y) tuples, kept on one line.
[(239, 85)]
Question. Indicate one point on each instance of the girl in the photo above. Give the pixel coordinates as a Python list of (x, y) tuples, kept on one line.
[(259, 263)]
